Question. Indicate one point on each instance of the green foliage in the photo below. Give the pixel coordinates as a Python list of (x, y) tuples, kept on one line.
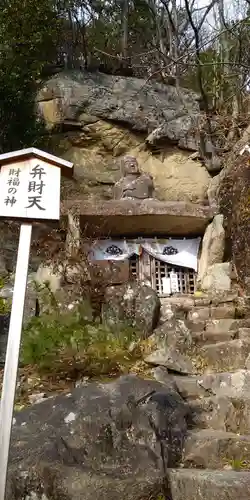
[(239, 464), (5, 305), (46, 297), (34, 33), (68, 343), (28, 35), (104, 32), (208, 60)]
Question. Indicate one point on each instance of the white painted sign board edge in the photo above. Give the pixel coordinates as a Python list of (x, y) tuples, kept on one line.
[(34, 152)]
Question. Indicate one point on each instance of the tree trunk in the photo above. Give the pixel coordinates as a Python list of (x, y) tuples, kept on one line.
[(124, 39), (175, 42), (224, 53)]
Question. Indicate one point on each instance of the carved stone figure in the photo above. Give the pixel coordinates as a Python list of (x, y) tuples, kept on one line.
[(133, 183)]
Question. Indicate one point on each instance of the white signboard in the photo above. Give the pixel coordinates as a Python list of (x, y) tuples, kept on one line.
[(174, 282), (166, 285), (30, 189)]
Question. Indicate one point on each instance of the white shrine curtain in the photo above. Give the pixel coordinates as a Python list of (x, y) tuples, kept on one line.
[(179, 252)]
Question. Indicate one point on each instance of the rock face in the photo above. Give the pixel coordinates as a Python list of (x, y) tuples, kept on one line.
[(126, 116), (131, 305), (120, 116), (95, 153), (142, 106), (102, 441)]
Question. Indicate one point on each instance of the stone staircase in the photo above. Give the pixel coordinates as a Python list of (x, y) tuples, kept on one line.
[(216, 456)]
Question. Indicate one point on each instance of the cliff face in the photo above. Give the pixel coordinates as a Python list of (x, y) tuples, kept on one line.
[(102, 117), (95, 119)]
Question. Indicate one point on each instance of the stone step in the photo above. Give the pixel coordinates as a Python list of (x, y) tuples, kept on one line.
[(205, 337), (213, 449), (223, 311), (227, 324), (189, 387), (221, 413), (232, 384), (187, 484), (216, 326), (195, 325), (212, 312), (224, 356)]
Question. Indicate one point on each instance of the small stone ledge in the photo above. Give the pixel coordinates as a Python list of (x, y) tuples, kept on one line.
[(147, 217)]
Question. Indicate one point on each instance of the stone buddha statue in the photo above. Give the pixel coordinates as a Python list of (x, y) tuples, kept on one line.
[(133, 183)]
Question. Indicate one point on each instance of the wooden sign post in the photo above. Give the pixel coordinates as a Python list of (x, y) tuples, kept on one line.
[(30, 191)]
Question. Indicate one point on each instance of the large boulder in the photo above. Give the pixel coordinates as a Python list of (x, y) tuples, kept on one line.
[(175, 334), (133, 305), (174, 344), (151, 217), (213, 246), (141, 105), (102, 441)]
